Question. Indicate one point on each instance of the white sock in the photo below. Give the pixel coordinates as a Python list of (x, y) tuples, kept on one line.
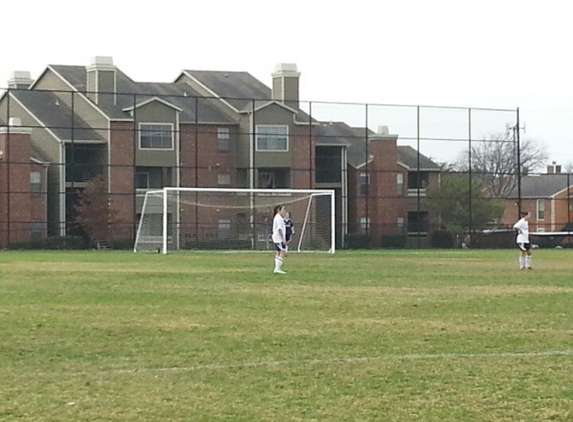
[(278, 263), (528, 261), (521, 262)]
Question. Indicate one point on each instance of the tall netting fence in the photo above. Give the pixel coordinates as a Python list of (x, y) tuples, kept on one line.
[(76, 167)]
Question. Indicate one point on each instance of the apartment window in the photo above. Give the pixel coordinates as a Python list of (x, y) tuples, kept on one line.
[(364, 224), (541, 209), (155, 136), (35, 182), (364, 181), (272, 138), (400, 184), (224, 179), (223, 138), (224, 227), (141, 180), (418, 180)]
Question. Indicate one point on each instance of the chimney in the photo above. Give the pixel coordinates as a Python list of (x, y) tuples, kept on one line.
[(20, 79), (102, 81), (554, 168), (286, 84)]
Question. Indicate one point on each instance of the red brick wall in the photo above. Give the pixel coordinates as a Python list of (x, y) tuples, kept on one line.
[(121, 174), (202, 145), (18, 207), (303, 150)]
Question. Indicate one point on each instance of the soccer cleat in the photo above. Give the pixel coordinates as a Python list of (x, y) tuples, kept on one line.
[(529, 268), (279, 272)]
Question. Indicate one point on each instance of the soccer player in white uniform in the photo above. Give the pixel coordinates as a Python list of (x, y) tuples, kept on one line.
[(522, 227), (279, 238)]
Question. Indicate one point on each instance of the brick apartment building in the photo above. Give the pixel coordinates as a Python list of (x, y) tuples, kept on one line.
[(205, 129), (549, 199)]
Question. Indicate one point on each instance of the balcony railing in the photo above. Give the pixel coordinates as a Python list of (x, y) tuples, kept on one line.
[(416, 192)]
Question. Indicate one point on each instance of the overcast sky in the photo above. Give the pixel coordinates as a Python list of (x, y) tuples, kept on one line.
[(492, 54)]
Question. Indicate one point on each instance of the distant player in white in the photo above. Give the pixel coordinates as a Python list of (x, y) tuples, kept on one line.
[(522, 227), (279, 237)]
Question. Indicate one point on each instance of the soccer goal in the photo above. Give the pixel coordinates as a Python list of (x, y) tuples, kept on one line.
[(233, 219)]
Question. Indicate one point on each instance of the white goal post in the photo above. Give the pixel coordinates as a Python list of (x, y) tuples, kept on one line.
[(233, 219)]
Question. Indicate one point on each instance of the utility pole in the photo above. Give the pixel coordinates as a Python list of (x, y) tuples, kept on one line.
[(516, 129)]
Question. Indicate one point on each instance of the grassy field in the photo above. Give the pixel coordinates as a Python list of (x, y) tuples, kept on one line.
[(358, 336)]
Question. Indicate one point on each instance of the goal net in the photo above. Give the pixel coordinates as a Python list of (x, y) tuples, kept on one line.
[(233, 219)]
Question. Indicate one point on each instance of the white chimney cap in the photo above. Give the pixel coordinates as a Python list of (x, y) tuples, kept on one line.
[(285, 67), (102, 61), (383, 130), (14, 121), (21, 75)]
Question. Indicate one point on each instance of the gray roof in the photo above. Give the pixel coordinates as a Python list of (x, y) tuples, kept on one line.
[(339, 133), (56, 115), (409, 157), (541, 186), (237, 88), (329, 133), (179, 94), (240, 90)]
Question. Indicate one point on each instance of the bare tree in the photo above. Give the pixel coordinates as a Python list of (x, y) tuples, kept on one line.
[(494, 162)]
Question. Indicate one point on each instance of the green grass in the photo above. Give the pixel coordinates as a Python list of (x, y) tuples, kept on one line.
[(358, 336)]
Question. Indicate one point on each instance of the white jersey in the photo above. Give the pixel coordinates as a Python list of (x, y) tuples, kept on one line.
[(523, 226), (279, 224)]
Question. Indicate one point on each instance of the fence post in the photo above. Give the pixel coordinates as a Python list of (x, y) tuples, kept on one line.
[(470, 225), (517, 139)]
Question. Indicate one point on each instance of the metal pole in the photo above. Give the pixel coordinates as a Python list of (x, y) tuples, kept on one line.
[(8, 167), (366, 157), (253, 141), (310, 144), (419, 176), (135, 142), (569, 227), (470, 225), (517, 139), (73, 161), (196, 168)]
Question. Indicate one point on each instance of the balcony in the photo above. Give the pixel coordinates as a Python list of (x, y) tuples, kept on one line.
[(83, 173)]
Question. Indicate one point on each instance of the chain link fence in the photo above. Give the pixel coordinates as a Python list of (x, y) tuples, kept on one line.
[(75, 166)]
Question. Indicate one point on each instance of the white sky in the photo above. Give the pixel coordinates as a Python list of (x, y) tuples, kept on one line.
[(498, 54)]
